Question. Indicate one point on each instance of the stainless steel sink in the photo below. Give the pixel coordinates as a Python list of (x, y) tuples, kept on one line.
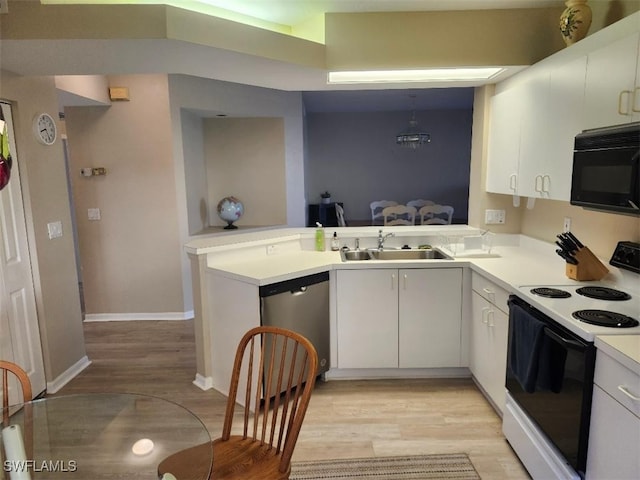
[(394, 254), (430, 254), (351, 255)]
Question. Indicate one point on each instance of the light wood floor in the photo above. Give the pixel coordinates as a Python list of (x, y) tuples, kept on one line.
[(346, 419)]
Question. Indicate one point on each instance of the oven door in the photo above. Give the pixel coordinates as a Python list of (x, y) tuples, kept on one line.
[(550, 377)]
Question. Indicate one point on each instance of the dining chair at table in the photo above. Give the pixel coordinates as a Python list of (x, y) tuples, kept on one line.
[(436, 215), (399, 215), (377, 207), (25, 386), (262, 448), (419, 203)]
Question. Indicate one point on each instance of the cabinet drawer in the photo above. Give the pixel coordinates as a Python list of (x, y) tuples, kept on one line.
[(490, 291), (618, 381)]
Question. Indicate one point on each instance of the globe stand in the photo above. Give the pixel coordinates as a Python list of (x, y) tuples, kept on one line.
[(230, 226)]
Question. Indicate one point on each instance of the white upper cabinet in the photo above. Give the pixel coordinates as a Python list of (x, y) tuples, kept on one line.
[(534, 135), (533, 125), (612, 89), (552, 120), (504, 143), (536, 115)]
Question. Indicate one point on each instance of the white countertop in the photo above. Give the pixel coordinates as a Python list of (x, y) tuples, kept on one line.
[(520, 261)]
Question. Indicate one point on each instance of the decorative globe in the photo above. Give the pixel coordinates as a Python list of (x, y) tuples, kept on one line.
[(230, 209)]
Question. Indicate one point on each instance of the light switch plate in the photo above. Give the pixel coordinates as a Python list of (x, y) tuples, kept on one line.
[(54, 229), (93, 213)]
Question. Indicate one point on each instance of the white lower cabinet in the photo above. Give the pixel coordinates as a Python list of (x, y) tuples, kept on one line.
[(407, 318), (489, 335), (367, 314), (614, 433)]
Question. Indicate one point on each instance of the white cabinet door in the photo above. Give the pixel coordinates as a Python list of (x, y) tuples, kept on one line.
[(565, 118), (611, 84), (430, 317), (535, 125), (614, 440), (504, 143), (488, 358), (367, 317)]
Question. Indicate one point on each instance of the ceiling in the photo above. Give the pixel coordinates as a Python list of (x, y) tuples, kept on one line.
[(29, 57), (292, 12)]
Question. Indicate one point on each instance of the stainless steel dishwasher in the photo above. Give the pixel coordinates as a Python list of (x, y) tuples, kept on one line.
[(302, 305)]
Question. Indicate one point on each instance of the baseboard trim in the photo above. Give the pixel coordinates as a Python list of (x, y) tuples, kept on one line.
[(127, 317), (68, 375), (405, 373), (202, 382)]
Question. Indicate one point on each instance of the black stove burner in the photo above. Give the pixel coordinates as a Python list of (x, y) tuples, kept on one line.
[(604, 318), (603, 293), (550, 292)]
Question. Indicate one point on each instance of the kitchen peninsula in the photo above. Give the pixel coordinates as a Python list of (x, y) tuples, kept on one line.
[(227, 271)]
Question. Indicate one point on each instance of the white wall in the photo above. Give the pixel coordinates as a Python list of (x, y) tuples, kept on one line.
[(195, 172), (354, 156), (205, 98), (245, 159)]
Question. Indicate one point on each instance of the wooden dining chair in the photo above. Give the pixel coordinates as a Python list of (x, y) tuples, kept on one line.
[(268, 359), (419, 203), (436, 215), (377, 207), (399, 215), (25, 384)]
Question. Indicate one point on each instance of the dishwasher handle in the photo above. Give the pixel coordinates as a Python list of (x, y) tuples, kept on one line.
[(293, 285), (300, 291)]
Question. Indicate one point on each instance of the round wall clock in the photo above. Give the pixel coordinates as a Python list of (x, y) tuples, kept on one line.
[(44, 128)]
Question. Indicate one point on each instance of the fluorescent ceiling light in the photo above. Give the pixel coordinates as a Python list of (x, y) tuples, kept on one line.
[(426, 75)]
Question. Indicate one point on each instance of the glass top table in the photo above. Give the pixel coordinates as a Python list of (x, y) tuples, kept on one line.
[(99, 436)]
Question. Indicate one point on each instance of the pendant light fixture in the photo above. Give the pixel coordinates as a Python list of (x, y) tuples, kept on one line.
[(413, 137)]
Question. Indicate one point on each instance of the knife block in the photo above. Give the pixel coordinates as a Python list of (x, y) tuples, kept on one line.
[(588, 268)]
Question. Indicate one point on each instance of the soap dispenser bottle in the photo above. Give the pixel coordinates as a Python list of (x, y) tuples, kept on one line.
[(335, 243), (319, 237)]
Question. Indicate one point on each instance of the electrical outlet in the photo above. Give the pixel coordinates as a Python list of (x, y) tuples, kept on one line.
[(272, 249), (567, 224), (494, 217)]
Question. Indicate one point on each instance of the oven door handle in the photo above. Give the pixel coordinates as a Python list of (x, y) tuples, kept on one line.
[(564, 341)]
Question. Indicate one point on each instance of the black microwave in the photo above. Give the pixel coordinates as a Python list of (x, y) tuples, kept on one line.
[(606, 174)]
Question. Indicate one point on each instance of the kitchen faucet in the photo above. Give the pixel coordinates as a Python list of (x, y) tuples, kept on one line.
[(381, 239)]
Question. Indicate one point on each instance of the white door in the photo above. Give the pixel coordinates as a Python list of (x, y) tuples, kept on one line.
[(19, 333)]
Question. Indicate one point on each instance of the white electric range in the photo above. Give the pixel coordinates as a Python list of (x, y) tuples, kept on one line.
[(546, 417), (617, 307)]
